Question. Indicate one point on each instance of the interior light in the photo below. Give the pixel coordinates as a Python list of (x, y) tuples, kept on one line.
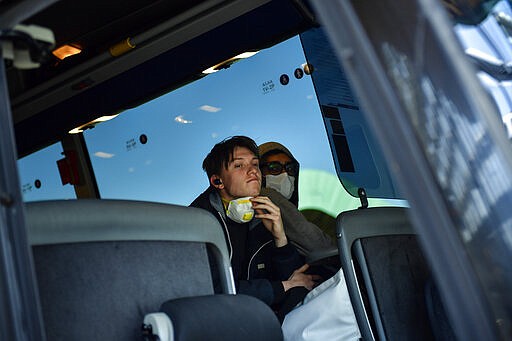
[(75, 131), (105, 118), (65, 51), (246, 55), (91, 124), (227, 63)]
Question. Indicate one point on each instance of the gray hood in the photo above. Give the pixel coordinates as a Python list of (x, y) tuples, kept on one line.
[(268, 147)]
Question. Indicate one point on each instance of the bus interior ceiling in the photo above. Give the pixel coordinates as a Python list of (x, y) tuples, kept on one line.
[(170, 44)]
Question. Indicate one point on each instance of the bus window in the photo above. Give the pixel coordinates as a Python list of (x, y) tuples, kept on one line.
[(488, 46), (155, 151), (359, 158), (39, 176)]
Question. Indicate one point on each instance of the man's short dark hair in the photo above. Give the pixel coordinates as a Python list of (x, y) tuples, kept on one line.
[(222, 153)]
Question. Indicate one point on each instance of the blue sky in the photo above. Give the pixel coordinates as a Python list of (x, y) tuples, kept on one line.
[(169, 167), (182, 127)]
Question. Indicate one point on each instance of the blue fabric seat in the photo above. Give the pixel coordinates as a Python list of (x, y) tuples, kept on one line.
[(386, 273), (102, 265)]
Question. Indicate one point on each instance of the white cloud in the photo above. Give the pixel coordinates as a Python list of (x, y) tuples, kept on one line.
[(104, 155), (131, 170), (182, 120), (209, 108), (309, 96), (215, 135)]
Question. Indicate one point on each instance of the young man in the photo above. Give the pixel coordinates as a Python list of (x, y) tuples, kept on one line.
[(264, 264)]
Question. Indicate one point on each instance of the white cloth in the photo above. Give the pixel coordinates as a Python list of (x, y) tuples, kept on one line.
[(325, 314)]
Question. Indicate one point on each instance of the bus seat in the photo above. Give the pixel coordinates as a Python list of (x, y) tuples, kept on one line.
[(221, 317), (386, 273), (102, 265)]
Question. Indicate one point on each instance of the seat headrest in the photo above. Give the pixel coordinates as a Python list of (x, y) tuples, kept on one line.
[(221, 317)]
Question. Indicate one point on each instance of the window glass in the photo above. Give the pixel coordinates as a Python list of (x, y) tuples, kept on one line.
[(488, 46), (155, 151), (358, 157), (459, 137), (39, 176)]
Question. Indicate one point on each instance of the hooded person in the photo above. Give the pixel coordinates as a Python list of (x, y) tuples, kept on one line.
[(290, 190), (280, 170), (309, 320)]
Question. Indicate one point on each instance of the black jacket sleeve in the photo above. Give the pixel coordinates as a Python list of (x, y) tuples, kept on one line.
[(269, 292), (285, 260)]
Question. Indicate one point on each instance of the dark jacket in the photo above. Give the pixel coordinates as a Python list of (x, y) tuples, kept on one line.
[(258, 265)]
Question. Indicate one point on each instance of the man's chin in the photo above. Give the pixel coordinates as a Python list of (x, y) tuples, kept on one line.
[(254, 192)]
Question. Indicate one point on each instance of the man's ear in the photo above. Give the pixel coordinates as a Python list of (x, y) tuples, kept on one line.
[(216, 182)]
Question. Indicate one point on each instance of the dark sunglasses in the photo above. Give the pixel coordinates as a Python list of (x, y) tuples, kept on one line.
[(276, 168)]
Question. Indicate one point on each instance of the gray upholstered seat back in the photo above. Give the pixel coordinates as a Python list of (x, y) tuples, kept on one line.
[(101, 265), (222, 317), (386, 273)]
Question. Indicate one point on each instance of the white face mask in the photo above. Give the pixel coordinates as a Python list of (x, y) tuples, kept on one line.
[(240, 210), (283, 183)]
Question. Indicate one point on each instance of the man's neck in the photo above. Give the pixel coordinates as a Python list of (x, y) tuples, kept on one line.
[(225, 202)]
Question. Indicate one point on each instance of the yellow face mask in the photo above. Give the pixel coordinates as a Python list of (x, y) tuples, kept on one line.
[(240, 210)]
